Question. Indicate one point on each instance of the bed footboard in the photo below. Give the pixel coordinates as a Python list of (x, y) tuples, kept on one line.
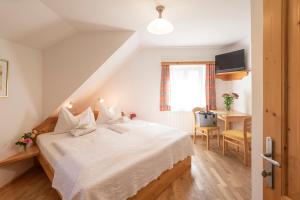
[(149, 192), (157, 186)]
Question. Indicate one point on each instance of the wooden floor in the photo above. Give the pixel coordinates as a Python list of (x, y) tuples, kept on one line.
[(213, 177)]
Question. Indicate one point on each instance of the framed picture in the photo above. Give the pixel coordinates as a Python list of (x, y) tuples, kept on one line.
[(3, 78)]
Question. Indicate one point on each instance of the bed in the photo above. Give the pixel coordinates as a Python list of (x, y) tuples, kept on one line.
[(136, 164)]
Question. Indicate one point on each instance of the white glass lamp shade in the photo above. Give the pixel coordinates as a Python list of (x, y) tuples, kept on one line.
[(160, 26)]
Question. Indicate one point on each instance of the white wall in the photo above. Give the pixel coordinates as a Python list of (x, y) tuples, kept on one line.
[(221, 88), (22, 110), (257, 97), (241, 87), (68, 64), (88, 93), (136, 87)]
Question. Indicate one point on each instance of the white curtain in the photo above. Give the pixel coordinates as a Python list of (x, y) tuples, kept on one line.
[(187, 87)]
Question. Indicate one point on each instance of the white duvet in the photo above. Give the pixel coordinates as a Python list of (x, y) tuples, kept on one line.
[(109, 165)]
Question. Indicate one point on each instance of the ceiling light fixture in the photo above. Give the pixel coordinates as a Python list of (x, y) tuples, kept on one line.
[(160, 26)]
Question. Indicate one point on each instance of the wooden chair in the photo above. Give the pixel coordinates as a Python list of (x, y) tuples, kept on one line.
[(204, 131), (239, 138)]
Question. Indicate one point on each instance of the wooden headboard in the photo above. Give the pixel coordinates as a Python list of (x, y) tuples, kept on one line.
[(49, 124)]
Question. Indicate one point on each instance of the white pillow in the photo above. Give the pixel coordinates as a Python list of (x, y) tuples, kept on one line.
[(107, 114), (115, 113), (82, 131), (67, 121), (103, 115), (87, 118)]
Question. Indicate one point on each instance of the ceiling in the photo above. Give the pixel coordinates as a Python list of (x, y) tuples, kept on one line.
[(42, 23)]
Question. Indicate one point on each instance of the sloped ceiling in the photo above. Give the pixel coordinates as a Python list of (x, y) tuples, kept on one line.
[(70, 63), (83, 40), (196, 22), (31, 23), (89, 92), (42, 23)]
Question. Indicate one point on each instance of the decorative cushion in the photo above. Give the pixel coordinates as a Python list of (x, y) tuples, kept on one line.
[(206, 128), (67, 121), (236, 134), (108, 114), (87, 118)]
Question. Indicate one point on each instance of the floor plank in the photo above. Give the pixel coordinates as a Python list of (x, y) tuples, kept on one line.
[(33, 185), (212, 177)]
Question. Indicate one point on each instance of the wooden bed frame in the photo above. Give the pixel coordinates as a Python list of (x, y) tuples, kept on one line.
[(149, 192)]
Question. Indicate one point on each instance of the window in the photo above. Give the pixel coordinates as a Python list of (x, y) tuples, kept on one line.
[(187, 87)]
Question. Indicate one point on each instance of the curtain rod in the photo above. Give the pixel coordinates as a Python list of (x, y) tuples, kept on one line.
[(187, 62)]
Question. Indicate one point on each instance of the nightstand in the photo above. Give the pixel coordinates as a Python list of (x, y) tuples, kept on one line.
[(31, 152)]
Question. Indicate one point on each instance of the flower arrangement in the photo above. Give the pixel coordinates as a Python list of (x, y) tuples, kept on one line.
[(229, 99), (25, 140)]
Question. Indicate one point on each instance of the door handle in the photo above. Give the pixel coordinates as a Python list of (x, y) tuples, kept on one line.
[(268, 157), (268, 172)]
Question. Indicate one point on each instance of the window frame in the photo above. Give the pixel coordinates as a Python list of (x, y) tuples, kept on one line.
[(164, 97)]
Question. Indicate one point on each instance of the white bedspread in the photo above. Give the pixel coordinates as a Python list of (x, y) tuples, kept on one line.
[(111, 166)]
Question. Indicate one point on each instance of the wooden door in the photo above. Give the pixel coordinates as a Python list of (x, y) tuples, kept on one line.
[(292, 176), (282, 95)]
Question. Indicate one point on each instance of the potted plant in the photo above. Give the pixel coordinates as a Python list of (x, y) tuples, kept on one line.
[(25, 140), (229, 100)]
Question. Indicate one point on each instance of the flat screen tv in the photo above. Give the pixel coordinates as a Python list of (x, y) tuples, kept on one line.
[(232, 61)]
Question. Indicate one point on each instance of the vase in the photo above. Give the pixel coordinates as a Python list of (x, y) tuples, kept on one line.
[(22, 149), (28, 145), (228, 108)]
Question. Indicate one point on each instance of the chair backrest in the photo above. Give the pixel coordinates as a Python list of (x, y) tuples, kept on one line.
[(247, 126), (196, 109)]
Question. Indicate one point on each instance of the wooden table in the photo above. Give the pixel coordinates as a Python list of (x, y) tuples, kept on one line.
[(229, 117), (31, 152)]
